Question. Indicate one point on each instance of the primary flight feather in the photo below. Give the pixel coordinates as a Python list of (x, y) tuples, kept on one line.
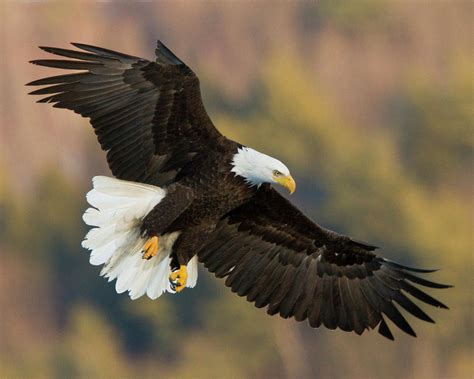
[(183, 192)]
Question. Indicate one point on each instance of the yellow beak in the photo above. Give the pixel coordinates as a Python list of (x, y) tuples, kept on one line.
[(288, 182)]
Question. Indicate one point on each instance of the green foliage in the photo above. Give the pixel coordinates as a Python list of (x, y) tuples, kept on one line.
[(90, 348), (349, 16), (435, 126)]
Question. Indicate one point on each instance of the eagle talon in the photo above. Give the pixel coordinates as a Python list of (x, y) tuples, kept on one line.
[(179, 278), (174, 285), (150, 248)]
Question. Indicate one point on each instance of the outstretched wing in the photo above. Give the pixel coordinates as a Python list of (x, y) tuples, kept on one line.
[(274, 255), (148, 116)]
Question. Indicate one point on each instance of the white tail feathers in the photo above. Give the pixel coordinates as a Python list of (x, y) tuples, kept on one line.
[(116, 242)]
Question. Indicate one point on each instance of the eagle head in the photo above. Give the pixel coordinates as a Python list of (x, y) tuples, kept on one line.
[(257, 168)]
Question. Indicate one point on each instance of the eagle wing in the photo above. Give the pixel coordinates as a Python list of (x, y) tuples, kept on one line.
[(274, 255), (148, 116)]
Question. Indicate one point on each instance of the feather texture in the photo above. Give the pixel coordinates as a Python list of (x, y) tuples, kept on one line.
[(271, 253), (148, 116), (116, 241)]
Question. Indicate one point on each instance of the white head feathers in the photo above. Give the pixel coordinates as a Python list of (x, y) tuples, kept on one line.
[(257, 168)]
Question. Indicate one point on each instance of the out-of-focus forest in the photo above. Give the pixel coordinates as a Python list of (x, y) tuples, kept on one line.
[(370, 104)]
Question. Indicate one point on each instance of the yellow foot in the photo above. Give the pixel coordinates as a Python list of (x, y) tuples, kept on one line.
[(150, 248), (179, 278)]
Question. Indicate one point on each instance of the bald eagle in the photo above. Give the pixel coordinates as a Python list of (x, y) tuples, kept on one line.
[(184, 193)]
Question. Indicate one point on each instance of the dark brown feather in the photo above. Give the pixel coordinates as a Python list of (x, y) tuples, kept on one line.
[(140, 110), (281, 259)]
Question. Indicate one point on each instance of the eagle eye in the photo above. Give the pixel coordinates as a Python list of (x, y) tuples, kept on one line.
[(277, 173)]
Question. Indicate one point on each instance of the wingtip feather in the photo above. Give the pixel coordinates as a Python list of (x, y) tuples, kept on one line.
[(385, 331), (408, 268), (46, 48)]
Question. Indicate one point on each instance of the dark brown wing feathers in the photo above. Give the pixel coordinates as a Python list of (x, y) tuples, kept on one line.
[(148, 116), (271, 253)]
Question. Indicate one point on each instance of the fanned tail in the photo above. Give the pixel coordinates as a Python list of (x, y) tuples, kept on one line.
[(116, 241)]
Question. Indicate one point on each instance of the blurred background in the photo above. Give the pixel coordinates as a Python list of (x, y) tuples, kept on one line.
[(369, 102)]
